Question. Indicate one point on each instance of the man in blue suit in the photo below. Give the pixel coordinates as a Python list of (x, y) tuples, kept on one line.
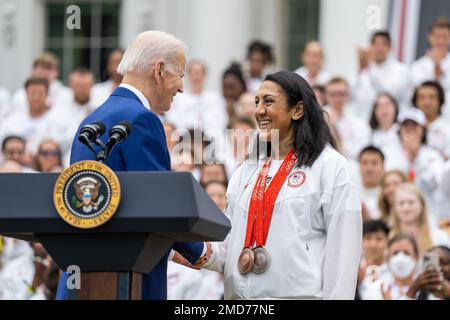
[(153, 68)]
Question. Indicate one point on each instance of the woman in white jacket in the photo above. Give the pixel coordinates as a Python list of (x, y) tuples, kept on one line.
[(303, 236)]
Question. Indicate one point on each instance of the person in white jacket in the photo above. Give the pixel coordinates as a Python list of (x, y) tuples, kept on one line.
[(422, 164), (308, 238), (378, 72), (435, 64), (430, 98)]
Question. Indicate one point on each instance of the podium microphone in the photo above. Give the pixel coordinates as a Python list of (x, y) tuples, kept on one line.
[(91, 133), (117, 135)]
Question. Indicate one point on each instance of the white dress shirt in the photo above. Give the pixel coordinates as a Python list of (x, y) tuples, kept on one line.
[(138, 93)]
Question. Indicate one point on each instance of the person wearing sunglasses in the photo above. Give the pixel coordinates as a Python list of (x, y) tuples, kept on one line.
[(48, 158)]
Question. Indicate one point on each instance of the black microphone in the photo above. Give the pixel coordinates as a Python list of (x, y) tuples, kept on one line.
[(117, 135), (120, 132), (91, 133)]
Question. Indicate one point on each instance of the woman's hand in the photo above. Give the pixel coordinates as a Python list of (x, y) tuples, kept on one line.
[(428, 281)]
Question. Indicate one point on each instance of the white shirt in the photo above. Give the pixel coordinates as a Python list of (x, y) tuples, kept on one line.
[(100, 92), (354, 133), (188, 284), (315, 236), (428, 167), (369, 197), (321, 79), (438, 135), (27, 127), (391, 76), (204, 111), (4, 103), (138, 93), (386, 139), (62, 125), (423, 70), (253, 83), (16, 277), (370, 286), (58, 95)]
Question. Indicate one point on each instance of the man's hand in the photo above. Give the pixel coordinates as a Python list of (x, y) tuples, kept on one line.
[(437, 56), (204, 259), (364, 58), (178, 258)]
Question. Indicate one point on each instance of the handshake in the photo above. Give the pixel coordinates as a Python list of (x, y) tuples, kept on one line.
[(178, 258)]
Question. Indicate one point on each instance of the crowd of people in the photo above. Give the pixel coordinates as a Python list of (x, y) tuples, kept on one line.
[(390, 120)]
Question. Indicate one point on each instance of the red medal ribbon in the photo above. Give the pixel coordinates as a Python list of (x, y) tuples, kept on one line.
[(262, 201)]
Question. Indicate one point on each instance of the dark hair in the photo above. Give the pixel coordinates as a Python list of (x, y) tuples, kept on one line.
[(407, 237), (11, 138), (37, 165), (372, 149), (37, 81), (311, 132), (382, 33), (373, 122), (262, 47), (319, 87), (441, 247), (440, 23), (432, 84), (372, 226), (82, 70), (235, 70)]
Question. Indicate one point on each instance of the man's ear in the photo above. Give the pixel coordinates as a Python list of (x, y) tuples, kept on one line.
[(157, 72), (298, 111)]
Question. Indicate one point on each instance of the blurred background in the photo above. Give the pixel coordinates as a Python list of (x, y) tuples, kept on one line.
[(215, 31)]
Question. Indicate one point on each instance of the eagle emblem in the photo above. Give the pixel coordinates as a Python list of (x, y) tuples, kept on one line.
[(87, 194)]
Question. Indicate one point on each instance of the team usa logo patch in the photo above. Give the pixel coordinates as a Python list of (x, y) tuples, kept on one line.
[(296, 179), (87, 194)]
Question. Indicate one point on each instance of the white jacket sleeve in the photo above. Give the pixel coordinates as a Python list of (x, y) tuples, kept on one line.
[(217, 260), (343, 220)]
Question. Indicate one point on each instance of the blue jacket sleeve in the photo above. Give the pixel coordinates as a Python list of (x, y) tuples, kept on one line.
[(145, 149), (191, 251)]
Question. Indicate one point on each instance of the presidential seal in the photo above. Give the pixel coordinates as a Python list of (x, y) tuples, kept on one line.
[(87, 194)]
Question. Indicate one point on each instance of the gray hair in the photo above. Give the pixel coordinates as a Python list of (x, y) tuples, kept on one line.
[(149, 48)]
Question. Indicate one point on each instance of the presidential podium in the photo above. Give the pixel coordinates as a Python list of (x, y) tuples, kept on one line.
[(156, 210)]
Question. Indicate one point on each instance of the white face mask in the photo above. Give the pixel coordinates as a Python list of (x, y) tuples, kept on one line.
[(401, 265)]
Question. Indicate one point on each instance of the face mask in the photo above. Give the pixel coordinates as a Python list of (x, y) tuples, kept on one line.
[(401, 265)]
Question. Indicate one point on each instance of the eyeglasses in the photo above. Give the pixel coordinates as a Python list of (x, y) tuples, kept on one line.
[(49, 153)]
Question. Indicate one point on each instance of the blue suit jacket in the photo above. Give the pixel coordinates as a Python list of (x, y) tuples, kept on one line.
[(144, 150)]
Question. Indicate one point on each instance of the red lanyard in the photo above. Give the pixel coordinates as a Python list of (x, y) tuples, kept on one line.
[(262, 201)]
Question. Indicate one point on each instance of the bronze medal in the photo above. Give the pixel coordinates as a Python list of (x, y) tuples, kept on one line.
[(261, 262), (245, 261)]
